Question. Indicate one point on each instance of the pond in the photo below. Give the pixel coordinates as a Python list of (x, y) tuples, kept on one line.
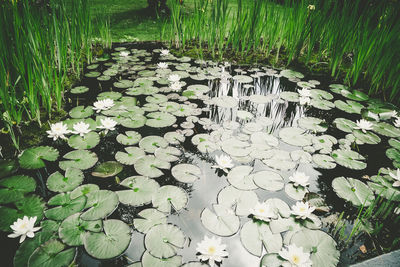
[(168, 161)]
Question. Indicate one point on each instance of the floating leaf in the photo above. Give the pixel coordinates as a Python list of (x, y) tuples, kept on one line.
[(65, 206), (268, 180), (223, 222), (349, 106), (131, 156), (271, 260), (160, 119), (52, 253), (324, 161), (355, 191), (289, 96), (64, 183), (149, 261), (242, 200), (170, 198), (8, 167), (321, 246), (72, 230), (81, 112), (32, 158), (107, 169), (110, 244), (130, 138), (15, 187), (149, 218), (141, 190), (240, 178), (150, 166), (297, 193), (386, 129), (83, 190), (186, 173), (295, 136), (88, 141), (163, 240), (366, 138), (314, 124), (136, 122), (344, 124), (169, 153), (349, 159), (101, 204), (383, 186), (79, 159), (79, 90), (150, 143)]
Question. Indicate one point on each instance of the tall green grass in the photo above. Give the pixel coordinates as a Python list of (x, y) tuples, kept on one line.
[(359, 38), (40, 47)]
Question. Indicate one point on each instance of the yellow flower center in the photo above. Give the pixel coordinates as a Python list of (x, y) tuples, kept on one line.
[(261, 210), (211, 250), (295, 259), (302, 209)]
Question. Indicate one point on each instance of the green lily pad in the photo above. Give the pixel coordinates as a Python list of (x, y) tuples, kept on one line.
[(107, 169), (88, 141), (223, 222), (324, 161), (291, 74), (33, 158), (8, 167), (240, 178), (394, 143), (150, 143), (80, 112), (110, 244), (297, 193), (135, 122), (83, 190), (355, 191), (130, 138), (160, 119), (65, 206), (295, 136), (386, 129), (147, 219), (72, 230), (268, 180), (150, 166), (349, 106), (111, 95), (92, 74), (393, 154), (383, 186), (101, 204), (366, 138), (150, 261), (79, 90), (314, 124), (79, 159), (163, 240), (321, 246), (169, 153), (170, 198), (322, 104), (242, 200), (271, 260), (131, 156), (64, 183), (349, 159), (52, 253), (15, 187), (344, 125), (141, 191), (156, 99), (354, 95), (289, 96), (186, 173)]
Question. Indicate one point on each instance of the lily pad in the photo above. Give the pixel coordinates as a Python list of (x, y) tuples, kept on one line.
[(240, 178), (72, 230), (160, 119), (241, 200), (297, 193), (349, 106), (52, 253), (349, 159), (135, 122), (355, 191), (324, 161), (141, 191), (101, 204), (382, 186), (107, 169), (33, 158), (150, 143), (131, 156), (314, 124), (271, 260), (110, 244), (268, 180), (163, 240), (129, 138), (254, 236), (79, 90), (289, 96), (344, 125), (320, 244), (79, 159), (81, 112), (64, 183), (83, 190), (15, 187), (223, 222), (147, 219), (169, 153), (386, 129), (186, 173), (88, 141), (150, 166), (295, 136), (150, 261), (65, 206), (170, 198)]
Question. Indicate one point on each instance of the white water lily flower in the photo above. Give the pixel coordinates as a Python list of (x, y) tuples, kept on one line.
[(104, 104), (176, 86), (224, 163), (164, 52), (162, 65), (397, 123), (81, 128), (212, 250), (295, 256), (304, 92), (311, 7), (58, 130), (304, 100), (124, 54), (108, 124), (396, 177), (264, 212), (363, 125), (299, 178), (24, 228), (302, 210), (174, 78)]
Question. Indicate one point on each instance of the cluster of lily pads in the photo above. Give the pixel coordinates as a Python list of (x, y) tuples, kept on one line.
[(155, 111)]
